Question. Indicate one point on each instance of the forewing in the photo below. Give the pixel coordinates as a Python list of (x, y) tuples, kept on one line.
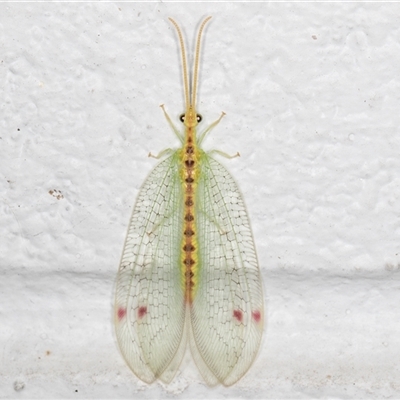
[(149, 307), (227, 310)]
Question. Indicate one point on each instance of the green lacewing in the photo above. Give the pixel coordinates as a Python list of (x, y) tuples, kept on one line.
[(189, 269)]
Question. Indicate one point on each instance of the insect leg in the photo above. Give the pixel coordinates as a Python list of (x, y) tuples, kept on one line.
[(213, 125), (162, 153), (177, 133), (221, 153)]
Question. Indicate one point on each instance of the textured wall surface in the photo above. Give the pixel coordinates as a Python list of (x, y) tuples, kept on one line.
[(312, 96)]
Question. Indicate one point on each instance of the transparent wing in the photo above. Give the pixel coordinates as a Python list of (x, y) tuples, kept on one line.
[(227, 310), (149, 307)]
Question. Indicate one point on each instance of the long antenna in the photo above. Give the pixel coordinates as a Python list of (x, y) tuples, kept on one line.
[(184, 64), (196, 64)]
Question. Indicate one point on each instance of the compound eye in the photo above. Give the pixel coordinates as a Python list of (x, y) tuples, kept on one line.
[(199, 117), (182, 117)]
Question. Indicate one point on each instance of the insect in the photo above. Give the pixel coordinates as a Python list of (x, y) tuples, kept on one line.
[(189, 270)]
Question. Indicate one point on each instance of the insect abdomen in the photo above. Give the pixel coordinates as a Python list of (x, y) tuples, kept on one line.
[(189, 257)]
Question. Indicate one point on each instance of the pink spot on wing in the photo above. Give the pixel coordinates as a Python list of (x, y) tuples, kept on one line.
[(121, 313), (238, 315), (256, 315), (142, 311)]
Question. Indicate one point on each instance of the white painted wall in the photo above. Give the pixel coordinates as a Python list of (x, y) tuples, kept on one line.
[(312, 96)]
